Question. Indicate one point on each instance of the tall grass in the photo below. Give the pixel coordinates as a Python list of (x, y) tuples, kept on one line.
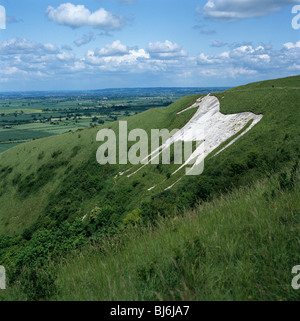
[(241, 246)]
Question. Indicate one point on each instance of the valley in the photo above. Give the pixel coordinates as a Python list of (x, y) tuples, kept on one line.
[(31, 115)]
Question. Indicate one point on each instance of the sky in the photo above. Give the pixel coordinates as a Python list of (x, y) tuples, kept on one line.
[(96, 44)]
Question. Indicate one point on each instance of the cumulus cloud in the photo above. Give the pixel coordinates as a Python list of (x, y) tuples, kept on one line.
[(76, 16), (17, 45), (11, 71), (157, 57), (249, 60), (290, 45), (114, 49), (50, 48), (20, 57), (246, 57), (231, 10), (24, 46), (65, 56), (165, 50), (132, 58)]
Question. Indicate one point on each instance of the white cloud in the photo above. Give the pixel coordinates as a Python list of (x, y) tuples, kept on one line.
[(50, 48), (11, 71), (77, 66), (74, 16), (245, 59), (290, 45), (21, 57), (165, 50), (65, 56), (24, 46), (203, 59), (117, 61), (17, 45), (114, 49), (231, 10)]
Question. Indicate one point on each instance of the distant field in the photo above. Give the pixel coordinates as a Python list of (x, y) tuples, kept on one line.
[(13, 135), (17, 110), (29, 116), (4, 147)]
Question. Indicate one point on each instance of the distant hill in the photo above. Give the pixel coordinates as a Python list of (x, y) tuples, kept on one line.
[(116, 92)]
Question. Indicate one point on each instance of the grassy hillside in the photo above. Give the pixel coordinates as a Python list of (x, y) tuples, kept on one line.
[(48, 186), (37, 174), (240, 246)]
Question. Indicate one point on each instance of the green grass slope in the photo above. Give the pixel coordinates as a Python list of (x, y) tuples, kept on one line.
[(55, 198), (63, 169), (240, 246)]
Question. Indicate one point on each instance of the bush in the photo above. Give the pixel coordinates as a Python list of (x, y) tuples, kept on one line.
[(133, 218), (236, 168), (100, 219)]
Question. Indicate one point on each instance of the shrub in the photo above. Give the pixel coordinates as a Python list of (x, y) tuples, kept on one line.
[(236, 168), (133, 218)]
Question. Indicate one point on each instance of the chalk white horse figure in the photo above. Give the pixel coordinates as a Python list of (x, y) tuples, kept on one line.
[(208, 126)]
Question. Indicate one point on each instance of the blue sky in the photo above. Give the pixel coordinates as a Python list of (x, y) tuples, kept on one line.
[(91, 44)]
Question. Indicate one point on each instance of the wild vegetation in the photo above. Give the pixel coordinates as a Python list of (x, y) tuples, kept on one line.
[(77, 230)]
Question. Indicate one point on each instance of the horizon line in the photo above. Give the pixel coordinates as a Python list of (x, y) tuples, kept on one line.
[(110, 88)]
